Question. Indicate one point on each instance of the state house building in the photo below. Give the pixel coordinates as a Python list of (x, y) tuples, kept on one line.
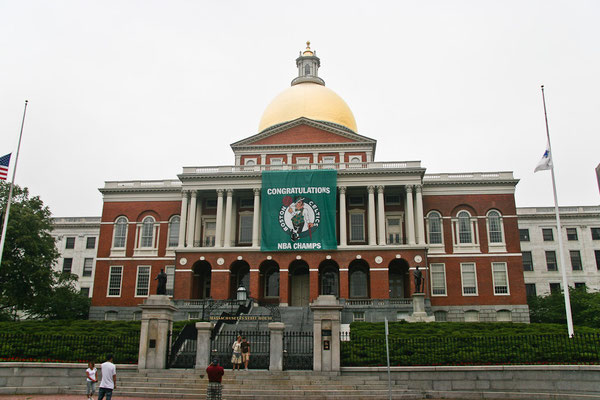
[(307, 210)]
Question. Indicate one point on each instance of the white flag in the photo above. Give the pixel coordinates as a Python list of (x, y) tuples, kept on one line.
[(545, 162)]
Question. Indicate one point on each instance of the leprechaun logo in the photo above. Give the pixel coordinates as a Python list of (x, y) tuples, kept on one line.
[(299, 216)]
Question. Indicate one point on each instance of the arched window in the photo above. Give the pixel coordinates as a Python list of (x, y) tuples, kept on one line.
[(359, 281), (464, 228), (503, 316), (174, 231), (434, 227), (120, 234), (272, 282), (328, 275), (440, 316), (307, 69), (472, 316), (147, 238), (250, 162), (495, 227)]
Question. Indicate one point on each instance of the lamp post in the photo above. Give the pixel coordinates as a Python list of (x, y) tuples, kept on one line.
[(242, 294)]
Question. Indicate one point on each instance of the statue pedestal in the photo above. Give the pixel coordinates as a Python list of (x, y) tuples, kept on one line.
[(419, 314), (157, 322), (326, 333)]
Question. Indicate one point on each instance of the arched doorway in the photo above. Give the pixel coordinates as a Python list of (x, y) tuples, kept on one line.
[(201, 284), (269, 281), (358, 273), (329, 278), (399, 282), (299, 284), (240, 276)]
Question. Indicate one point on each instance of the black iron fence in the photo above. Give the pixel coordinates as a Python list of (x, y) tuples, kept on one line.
[(260, 342), (66, 348), (181, 353), (298, 350), (532, 349)]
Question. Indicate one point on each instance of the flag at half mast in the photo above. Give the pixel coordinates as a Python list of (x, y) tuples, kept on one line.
[(546, 161), (4, 161)]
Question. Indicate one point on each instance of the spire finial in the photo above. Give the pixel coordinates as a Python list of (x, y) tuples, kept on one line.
[(308, 45)]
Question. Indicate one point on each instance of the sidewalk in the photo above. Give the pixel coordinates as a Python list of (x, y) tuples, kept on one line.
[(69, 397)]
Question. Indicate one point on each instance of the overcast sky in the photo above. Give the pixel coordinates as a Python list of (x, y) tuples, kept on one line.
[(125, 90)]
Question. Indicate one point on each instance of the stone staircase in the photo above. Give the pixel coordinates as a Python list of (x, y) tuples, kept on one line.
[(256, 384)]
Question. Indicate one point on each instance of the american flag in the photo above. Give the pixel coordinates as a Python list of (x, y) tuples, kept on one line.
[(4, 160)]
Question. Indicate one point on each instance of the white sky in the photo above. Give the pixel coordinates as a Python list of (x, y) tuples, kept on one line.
[(122, 90)]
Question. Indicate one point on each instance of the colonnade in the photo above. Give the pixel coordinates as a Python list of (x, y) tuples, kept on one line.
[(190, 226)]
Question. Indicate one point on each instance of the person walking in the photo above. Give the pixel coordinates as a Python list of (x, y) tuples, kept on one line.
[(109, 378), (90, 380), (236, 358), (245, 353), (215, 373)]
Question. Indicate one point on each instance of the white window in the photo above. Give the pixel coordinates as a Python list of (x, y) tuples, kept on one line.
[(494, 224), (394, 229), (472, 316), (110, 316), (438, 279), (88, 266), (114, 281), (174, 231), (434, 227), (245, 234), (250, 161), (469, 279), (276, 163), (303, 162), (357, 227), (170, 270), (142, 286), (358, 316), (210, 227), (503, 316), (120, 233), (328, 160), (465, 235), (500, 277), (147, 236), (440, 316)]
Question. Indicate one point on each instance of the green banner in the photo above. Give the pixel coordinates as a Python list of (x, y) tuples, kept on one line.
[(298, 210)]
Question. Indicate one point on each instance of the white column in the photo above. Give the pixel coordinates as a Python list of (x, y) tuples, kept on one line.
[(238, 159), (255, 218), (263, 160), (198, 229), (372, 237), (227, 240), (342, 190), (410, 215), (191, 226), (342, 161), (183, 218), (289, 158), (380, 216), (219, 228), (420, 224), (315, 161)]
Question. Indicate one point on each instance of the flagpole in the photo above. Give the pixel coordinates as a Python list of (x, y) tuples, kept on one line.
[(563, 265), (12, 182)]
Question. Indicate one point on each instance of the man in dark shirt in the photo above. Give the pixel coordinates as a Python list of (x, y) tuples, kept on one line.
[(215, 374)]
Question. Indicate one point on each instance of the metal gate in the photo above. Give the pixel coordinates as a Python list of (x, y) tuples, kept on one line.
[(182, 352), (298, 350), (260, 342)]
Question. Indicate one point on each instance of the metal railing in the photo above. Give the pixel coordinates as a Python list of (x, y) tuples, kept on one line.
[(216, 169), (530, 349)]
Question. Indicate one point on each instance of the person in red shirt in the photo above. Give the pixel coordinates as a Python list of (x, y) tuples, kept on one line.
[(215, 373)]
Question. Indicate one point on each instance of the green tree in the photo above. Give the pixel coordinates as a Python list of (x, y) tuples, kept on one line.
[(585, 308), (28, 284)]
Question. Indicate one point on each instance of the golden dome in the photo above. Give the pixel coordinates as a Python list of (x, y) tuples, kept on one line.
[(308, 51), (309, 100)]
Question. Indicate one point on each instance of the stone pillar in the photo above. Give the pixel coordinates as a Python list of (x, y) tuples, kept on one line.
[(263, 160), (326, 333), (315, 161), (420, 221), (410, 215), (183, 219), (255, 218), (372, 237), (380, 216), (276, 346), (228, 207), (198, 222), (343, 230), (191, 226), (157, 322), (203, 345), (342, 160), (219, 227)]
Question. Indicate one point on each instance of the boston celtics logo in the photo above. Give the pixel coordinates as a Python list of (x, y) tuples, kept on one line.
[(299, 217)]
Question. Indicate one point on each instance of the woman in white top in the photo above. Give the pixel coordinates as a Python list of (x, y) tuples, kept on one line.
[(236, 358), (91, 379)]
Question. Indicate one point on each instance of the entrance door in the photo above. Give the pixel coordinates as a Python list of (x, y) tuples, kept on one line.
[(300, 290), (396, 285)]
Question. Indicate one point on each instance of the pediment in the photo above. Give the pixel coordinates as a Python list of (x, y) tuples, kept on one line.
[(303, 131)]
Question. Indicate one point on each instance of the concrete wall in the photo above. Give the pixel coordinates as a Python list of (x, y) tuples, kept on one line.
[(537, 382), (46, 378)]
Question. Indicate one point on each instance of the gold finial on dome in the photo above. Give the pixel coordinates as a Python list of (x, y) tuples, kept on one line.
[(308, 51)]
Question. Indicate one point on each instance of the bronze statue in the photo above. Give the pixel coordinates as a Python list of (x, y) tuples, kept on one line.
[(418, 275), (162, 282)]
